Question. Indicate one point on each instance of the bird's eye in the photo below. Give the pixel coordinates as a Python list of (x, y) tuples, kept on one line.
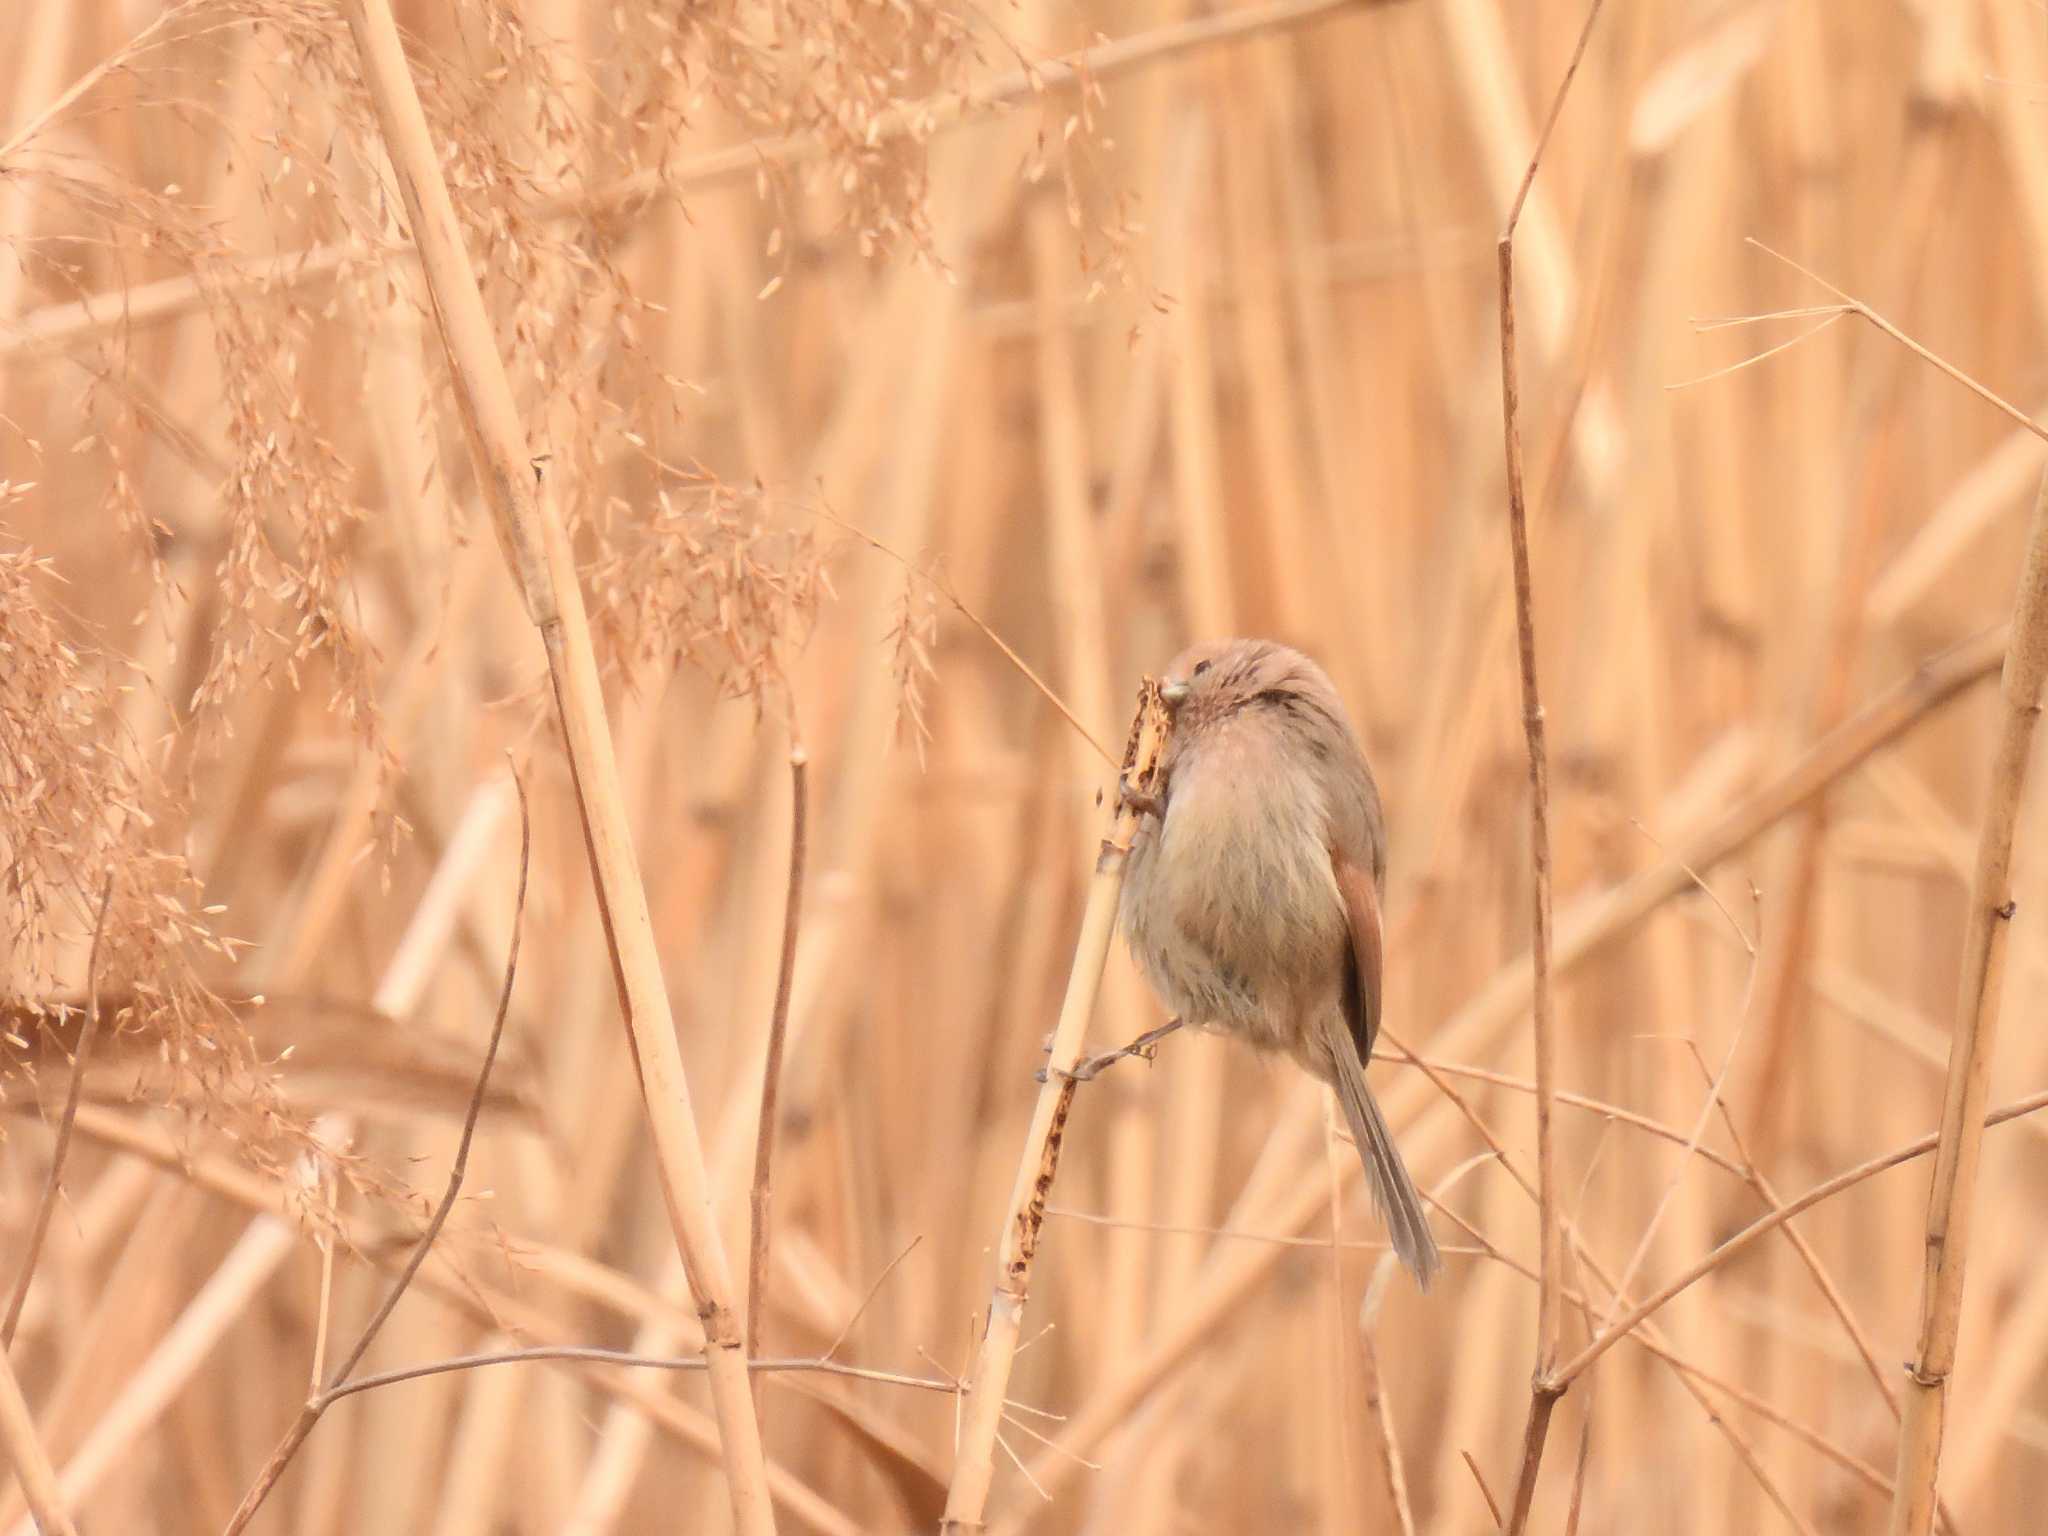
[(1200, 668)]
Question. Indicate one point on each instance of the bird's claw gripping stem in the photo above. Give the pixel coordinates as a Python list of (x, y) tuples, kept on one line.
[(1143, 802), (1145, 1048)]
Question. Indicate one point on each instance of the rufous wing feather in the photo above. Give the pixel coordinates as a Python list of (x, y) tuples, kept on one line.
[(1362, 912), (1393, 1191)]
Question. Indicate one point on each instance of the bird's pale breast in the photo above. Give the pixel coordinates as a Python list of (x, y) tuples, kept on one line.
[(1233, 891)]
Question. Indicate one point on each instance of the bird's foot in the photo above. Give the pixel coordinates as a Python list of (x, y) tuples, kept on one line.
[(1145, 1048), (1143, 802)]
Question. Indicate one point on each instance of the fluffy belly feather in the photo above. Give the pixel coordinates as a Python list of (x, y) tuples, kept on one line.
[(1205, 914)]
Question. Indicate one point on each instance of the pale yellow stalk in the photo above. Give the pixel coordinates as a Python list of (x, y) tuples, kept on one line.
[(532, 536)]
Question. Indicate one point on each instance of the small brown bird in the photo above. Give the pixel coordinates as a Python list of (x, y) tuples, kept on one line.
[(1252, 894)]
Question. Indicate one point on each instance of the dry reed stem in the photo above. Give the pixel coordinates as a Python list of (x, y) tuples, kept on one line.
[(1385, 1438), (537, 548), (1691, 1383), (280, 1206), (1998, 480), (1616, 1113), (1825, 1190), (584, 1279), (1987, 933), (1692, 1377), (1233, 1234), (1485, 1493), (338, 1384), (304, 930), (1543, 1404), (1588, 1400), (1878, 383), (803, 1503), (53, 1185), (121, 56), (1490, 83), (31, 1462), (1716, 1082), (822, 1365), (223, 1299), (269, 1239), (1849, 304), (988, 1382), (1549, 1316), (1830, 1292), (771, 1069), (1579, 1468), (1915, 1500)]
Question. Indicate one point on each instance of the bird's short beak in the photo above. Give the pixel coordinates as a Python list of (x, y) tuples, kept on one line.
[(1173, 695)]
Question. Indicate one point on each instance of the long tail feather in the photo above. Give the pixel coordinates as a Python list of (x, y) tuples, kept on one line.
[(1393, 1192)]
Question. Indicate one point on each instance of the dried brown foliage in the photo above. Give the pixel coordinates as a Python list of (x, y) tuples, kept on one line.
[(913, 636), (264, 585), (708, 578), (79, 805), (836, 72), (251, 625)]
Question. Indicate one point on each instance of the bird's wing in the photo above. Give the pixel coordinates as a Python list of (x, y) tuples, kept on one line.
[(1362, 986)]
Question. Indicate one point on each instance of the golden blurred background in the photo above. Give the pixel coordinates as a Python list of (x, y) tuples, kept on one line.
[(846, 334)]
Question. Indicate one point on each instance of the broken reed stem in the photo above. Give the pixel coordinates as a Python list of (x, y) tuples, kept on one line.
[(338, 1385), (1486, 1493), (1549, 1311), (771, 1071), (537, 548), (53, 1185), (988, 1382), (1952, 1198)]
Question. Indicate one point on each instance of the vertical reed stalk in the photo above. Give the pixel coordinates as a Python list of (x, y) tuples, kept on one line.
[(1952, 1201), (537, 547), (1549, 1314), (989, 1382), (763, 1196)]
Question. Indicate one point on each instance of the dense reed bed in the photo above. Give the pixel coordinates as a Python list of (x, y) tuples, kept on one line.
[(897, 384)]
